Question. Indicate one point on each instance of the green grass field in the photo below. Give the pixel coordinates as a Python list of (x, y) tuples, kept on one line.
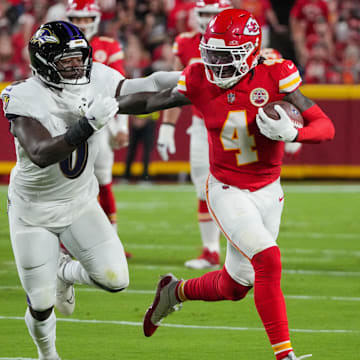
[(320, 243)]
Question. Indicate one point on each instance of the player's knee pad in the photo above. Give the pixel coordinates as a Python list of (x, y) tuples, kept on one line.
[(112, 280), (230, 289), (41, 299), (41, 315), (267, 264)]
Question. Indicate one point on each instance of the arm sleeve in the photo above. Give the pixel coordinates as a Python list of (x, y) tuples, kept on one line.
[(157, 81), (318, 127)]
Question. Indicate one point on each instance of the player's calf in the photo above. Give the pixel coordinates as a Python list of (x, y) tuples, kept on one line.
[(65, 292)]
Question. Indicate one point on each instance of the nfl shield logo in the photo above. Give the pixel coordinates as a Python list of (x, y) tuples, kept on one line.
[(231, 97)]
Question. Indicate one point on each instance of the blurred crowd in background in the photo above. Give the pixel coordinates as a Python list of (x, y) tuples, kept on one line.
[(321, 36)]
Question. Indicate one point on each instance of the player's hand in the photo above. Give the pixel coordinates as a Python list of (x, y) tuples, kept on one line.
[(100, 111), (166, 141), (281, 130)]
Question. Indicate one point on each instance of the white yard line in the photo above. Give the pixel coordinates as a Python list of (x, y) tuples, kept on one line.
[(183, 326), (142, 292), (168, 268), (321, 188), (332, 252)]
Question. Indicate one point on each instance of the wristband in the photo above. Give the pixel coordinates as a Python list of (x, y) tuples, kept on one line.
[(168, 123), (79, 132)]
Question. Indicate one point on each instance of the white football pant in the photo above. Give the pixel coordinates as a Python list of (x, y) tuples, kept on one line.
[(199, 156), (249, 220), (90, 238)]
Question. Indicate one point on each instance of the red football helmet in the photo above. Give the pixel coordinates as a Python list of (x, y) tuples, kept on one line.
[(77, 9), (230, 46), (206, 9), (270, 54)]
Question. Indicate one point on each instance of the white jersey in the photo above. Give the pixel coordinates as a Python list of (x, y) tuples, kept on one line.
[(71, 180)]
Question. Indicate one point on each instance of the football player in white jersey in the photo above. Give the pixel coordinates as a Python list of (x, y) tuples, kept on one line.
[(55, 117)]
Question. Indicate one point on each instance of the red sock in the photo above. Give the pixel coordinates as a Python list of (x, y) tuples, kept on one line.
[(107, 201), (203, 211), (269, 300), (214, 286)]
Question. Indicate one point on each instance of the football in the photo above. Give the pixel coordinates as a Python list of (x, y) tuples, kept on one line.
[(289, 108)]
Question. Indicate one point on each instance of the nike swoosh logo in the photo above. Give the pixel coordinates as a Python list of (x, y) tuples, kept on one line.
[(281, 198), (290, 66), (71, 300)]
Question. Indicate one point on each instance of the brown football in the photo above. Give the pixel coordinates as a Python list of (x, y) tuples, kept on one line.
[(289, 108)]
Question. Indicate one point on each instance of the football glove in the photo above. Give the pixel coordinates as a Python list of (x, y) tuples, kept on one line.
[(166, 141), (101, 110), (281, 130)]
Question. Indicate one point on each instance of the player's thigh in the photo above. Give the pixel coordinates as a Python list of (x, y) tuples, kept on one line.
[(36, 252), (239, 266), (270, 202), (199, 156), (105, 159), (199, 147), (94, 242), (199, 175), (238, 217)]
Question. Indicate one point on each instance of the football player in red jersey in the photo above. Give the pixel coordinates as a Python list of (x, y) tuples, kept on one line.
[(86, 15), (292, 149), (246, 148), (186, 50)]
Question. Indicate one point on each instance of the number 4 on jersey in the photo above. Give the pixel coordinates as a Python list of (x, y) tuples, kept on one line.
[(235, 136)]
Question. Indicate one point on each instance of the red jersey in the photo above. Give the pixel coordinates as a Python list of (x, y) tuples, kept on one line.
[(239, 154), (186, 48), (109, 52)]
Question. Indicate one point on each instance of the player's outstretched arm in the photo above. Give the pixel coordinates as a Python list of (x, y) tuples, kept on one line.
[(148, 102), (157, 81)]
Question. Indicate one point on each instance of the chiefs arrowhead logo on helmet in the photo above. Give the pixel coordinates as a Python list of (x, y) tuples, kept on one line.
[(252, 27)]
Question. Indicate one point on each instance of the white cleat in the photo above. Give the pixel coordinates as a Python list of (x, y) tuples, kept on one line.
[(291, 356), (207, 260), (164, 303), (65, 292)]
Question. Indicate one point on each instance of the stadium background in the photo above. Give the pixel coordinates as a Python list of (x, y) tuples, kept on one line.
[(339, 97)]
